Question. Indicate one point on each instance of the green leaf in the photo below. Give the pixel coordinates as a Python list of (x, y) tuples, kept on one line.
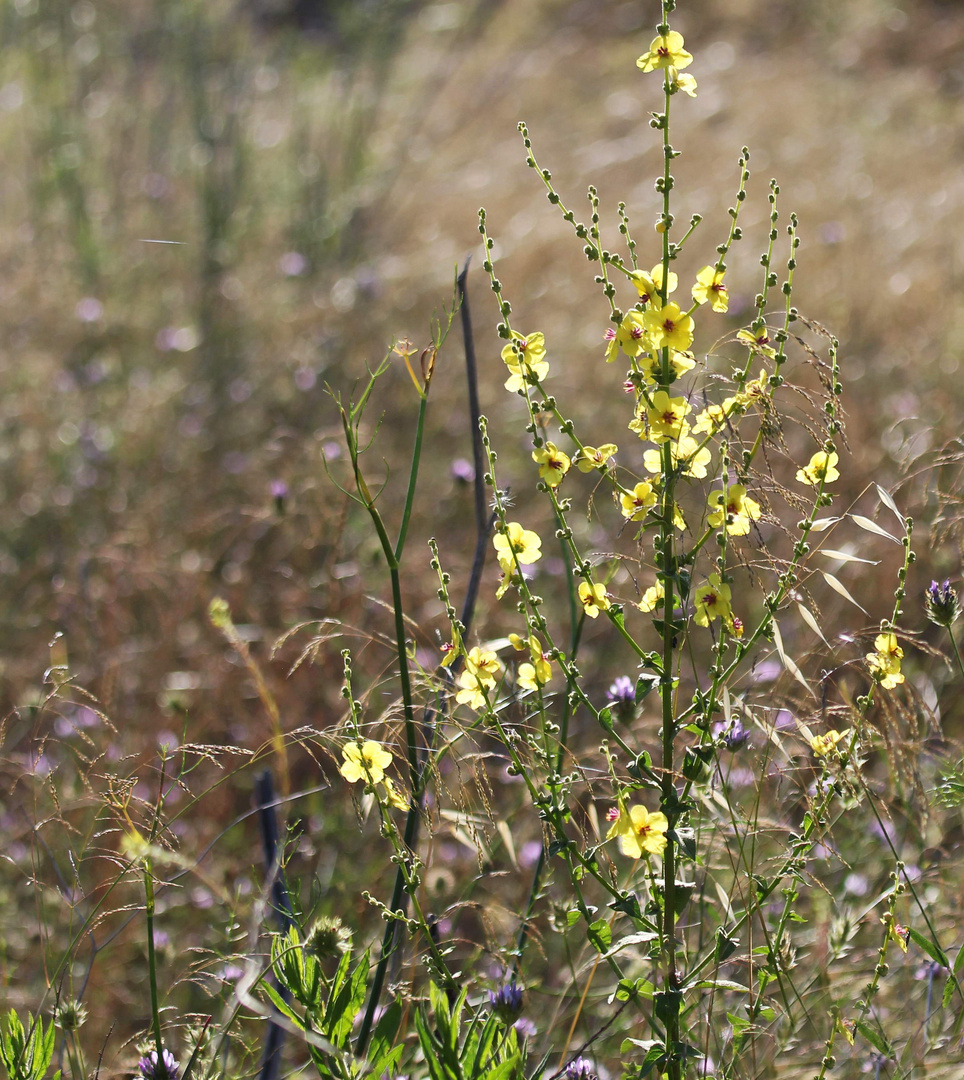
[(644, 684), (477, 1049), (632, 939), (875, 1038), (572, 917), (512, 1066), (933, 950), (628, 905), (719, 984), (599, 935), (726, 944), (431, 1050), (641, 1044), (343, 1007), (281, 1005), (380, 1050), (666, 1004), (632, 989), (952, 984)]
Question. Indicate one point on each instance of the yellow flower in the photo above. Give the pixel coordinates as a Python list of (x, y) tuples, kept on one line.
[(684, 82), (667, 416), (758, 340), (735, 508), (525, 357), (635, 503), (394, 796), (532, 676), (517, 545), (887, 644), (553, 463), (481, 670), (712, 601), (753, 391), (653, 598), (484, 664), (366, 762), (709, 286), (650, 286), (669, 326), (452, 650), (639, 832), (595, 457), (711, 420), (679, 362), (539, 672), (885, 662), (895, 931), (820, 468), (665, 51), (630, 336), (594, 598), (824, 745), (687, 455)]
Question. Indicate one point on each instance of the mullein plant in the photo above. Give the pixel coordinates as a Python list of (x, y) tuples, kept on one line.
[(703, 898)]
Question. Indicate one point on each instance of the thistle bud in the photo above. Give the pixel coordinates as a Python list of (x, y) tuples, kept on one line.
[(941, 604)]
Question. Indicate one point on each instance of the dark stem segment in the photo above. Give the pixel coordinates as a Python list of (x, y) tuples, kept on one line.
[(471, 374), (264, 800), (483, 520), (484, 523)]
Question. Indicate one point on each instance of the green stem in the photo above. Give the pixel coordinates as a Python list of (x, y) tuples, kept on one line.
[(412, 477), (957, 652), (151, 955), (667, 573)]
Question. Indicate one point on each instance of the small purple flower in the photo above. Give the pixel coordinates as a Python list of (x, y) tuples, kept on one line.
[(151, 1069), (279, 492), (731, 736), (941, 604), (293, 264), (525, 1027), (580, 1068), (506, 1002), (89, 309), (462, 470), (622, 696)]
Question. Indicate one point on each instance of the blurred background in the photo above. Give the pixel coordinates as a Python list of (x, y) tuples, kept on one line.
[(211, 212), (314, 170)]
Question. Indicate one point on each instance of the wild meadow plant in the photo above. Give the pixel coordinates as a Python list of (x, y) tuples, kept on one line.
[(700, 939), (719, 867)]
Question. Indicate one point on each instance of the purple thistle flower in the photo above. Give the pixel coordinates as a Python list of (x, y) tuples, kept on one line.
[(622, 696), (941, 604), (731, 736), (151, 1069), (580, 1068), (506, 1002)]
